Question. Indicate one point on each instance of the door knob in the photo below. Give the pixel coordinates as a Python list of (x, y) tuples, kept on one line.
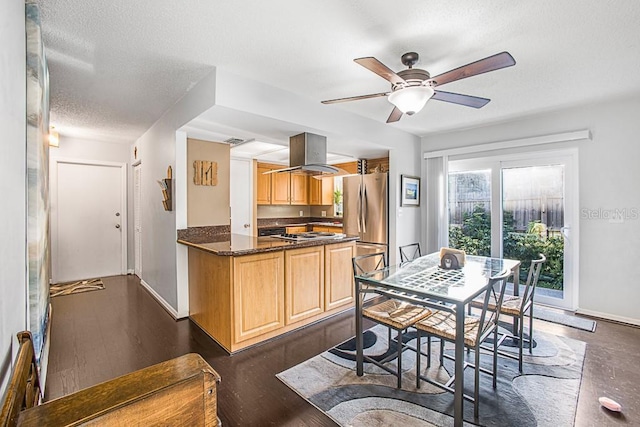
[(247, 226), (117, 225)]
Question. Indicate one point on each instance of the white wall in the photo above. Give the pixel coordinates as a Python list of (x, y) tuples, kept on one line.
[(157, 151), (12, 183), (404, 221), (236, 101), (608, 179), (83, 149)]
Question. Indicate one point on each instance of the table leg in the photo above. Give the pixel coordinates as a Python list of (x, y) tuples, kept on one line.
[(516, 292), (459, 368), (359, 343)]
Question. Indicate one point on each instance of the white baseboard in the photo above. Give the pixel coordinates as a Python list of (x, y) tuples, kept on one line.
[(172, 311), (130, 271), (608, 316)]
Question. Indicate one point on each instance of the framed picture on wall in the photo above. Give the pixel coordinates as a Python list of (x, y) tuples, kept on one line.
[(409, 190)]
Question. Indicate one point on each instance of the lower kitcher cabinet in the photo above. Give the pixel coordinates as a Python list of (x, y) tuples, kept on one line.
[(338, 273), (258, 294), (304, 283)]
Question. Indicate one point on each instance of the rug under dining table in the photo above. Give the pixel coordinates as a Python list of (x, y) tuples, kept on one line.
[(546, 394)]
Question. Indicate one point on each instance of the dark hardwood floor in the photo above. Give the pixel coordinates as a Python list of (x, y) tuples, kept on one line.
[(99, 335)]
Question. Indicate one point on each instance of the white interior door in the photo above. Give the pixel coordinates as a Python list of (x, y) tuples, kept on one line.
[(89, 220), (137, 219), (241, 196)]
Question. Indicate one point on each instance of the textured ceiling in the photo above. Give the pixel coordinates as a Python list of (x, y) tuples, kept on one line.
[(116, 66)]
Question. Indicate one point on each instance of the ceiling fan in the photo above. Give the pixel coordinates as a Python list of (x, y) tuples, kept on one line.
[(413, 87)]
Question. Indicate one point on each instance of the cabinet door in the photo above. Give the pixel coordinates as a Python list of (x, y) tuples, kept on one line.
[(297, 229), (339, 285), (304, 283), (326, 197), (321, 191), (315, 192), (299, 194), (280, 184), (263, 191), (258, 298)]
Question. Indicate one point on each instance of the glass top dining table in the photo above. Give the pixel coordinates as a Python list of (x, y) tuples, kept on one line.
[(423, 282)]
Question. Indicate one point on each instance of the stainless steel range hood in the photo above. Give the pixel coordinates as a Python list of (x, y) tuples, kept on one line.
[(308, 155)]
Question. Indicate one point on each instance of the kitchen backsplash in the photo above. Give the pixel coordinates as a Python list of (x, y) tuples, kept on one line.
[(270, 211)]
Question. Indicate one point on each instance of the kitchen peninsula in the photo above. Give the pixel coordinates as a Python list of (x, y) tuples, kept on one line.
[(245, 289)]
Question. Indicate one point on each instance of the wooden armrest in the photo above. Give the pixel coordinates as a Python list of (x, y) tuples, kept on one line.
[(23, 390), (181, 391)]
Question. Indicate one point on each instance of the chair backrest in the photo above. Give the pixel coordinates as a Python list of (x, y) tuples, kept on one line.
[(495, 292), (532, 280), (410, 252), (368, 263)]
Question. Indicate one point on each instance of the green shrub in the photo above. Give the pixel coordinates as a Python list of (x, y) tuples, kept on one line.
[(474, 237)]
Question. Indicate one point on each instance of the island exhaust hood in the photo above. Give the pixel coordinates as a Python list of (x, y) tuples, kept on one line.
[(308, 155)]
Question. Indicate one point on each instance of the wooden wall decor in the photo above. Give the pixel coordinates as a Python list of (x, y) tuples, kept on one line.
[(205, 172)]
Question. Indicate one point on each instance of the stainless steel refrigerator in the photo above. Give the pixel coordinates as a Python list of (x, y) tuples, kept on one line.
[(365, 211)]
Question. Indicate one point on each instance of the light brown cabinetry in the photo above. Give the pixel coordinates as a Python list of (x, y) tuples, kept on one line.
[(299, 193), (243, 300), (258, 294), (349, 167), (321, 191), (304, 283), (330, 229), (263, 187), (297, 229), (338, 273), (280, 188)]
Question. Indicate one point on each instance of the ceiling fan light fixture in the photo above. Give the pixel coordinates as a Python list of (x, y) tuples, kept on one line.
[(411, 99)]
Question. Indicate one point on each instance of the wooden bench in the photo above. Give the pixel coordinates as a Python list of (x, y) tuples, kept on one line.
[(180, 391)]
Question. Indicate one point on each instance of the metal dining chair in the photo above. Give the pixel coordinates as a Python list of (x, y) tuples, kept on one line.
[(517, 307), (442, 324), (394, 314), (410, 252)]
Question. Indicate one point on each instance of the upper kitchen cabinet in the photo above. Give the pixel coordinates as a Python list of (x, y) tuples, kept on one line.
[(263, 188), (299, 194), (281, 188), (321, 191), (349, 167)]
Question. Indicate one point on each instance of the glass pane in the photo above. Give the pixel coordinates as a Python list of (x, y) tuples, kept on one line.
[(337, 195), (533, 215), (470, 211)]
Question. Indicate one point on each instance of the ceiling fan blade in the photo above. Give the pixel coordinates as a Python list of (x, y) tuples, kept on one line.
[(491, 63), (458, 98), (372, 64), (395, 115), (355, 98)]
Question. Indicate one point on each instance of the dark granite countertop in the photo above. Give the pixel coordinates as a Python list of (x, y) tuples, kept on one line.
[(237, 244)]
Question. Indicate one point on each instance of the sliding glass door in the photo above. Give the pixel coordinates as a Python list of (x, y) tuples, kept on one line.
[(518, 207), (470, 211)]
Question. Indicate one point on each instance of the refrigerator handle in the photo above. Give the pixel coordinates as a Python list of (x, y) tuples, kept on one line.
[(365, 211), (359, 208)]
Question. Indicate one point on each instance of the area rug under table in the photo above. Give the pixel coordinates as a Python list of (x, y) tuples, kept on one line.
[(545, 394)]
